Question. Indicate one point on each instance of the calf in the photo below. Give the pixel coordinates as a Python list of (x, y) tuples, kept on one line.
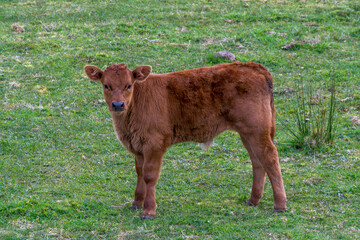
[(151, 112)]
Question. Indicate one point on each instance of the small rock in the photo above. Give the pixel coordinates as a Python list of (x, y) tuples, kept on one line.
[(14, 84), (292, 44), (226, 55), (278, 34), (356, 121), (289, 45), (345, 99), (286, 159), (309, 25), (290, 90), (313, 143), (312, 41), (17, 28), (10, 118), (228, 21), (239, 46), (183, 29)]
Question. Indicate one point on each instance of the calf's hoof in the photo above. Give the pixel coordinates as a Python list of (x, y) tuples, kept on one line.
[(251, 204), (280, 207), (147, 217), (135, 207), (148, 214), (279, 210)]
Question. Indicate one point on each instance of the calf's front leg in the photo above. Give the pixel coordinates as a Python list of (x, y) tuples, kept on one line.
[(140, 191), (151, 173)]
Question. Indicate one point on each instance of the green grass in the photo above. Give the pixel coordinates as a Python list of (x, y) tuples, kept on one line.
[(63, 174)]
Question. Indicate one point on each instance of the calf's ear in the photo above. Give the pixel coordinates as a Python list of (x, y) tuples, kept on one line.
[(93, 72), (142, 72)]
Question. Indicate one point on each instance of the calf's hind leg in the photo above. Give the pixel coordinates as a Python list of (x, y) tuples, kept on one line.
[(258, 176), (264, 157)]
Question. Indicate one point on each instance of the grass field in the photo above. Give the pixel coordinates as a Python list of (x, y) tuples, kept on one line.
[(64, 175)]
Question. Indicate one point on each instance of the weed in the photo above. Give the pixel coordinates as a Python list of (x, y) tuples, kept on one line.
[(314, 114)]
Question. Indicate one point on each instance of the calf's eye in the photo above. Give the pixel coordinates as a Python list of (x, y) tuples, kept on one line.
[(128, 87), (106, 86)]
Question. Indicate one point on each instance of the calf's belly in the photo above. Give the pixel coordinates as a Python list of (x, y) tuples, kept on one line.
[(200, 134)]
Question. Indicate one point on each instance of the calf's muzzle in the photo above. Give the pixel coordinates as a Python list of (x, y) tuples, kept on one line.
[(118, 106)]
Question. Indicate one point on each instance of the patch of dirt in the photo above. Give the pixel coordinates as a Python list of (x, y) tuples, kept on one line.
[(277, 34), (297, 43), (14, 84), (313, 181), (17, 28), (208, 41), (356, 121), (285, 91)]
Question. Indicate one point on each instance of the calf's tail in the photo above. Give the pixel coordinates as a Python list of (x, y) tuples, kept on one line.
[(269, 80)]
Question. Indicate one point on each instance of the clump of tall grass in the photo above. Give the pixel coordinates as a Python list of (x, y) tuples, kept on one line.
[(313, 113)]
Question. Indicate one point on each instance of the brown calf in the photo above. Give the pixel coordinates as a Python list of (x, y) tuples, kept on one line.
[(154, 111)]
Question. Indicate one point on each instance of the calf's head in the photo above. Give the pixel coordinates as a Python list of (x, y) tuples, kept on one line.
[(117, 81)]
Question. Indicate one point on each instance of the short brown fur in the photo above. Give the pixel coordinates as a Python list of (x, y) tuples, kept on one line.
[(193, 105)]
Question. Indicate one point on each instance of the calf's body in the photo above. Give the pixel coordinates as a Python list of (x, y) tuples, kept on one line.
[(159, 110)]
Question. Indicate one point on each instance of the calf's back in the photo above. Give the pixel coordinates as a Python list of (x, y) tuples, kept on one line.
[(198, 104)]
